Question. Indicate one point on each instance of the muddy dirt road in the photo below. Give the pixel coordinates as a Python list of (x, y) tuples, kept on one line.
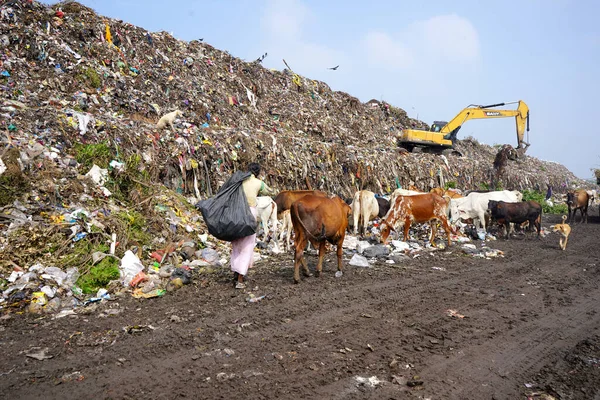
[(531, 326)]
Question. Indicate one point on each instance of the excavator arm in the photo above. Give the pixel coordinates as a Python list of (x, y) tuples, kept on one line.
[(443, 135), (521, 115)]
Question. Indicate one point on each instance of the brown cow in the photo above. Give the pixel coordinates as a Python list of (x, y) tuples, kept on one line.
[(453, 194), (286, 198), (417, 208), (578, 199), (318, 219)]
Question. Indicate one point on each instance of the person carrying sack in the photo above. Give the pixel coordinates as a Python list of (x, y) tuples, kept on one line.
[(231, 216), (242, 250)]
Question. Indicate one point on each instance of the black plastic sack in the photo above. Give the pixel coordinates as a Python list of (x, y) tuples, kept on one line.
[(227, 214)]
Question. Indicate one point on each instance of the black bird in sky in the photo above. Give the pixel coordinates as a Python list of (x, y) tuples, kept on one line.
[(261, 58), (334, 68)]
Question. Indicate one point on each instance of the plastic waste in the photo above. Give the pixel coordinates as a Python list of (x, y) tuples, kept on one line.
[(130, 267), (55, 273), (71, 278), (400, 245), (48, 291), (138, 293), (362, 246), (138, 278), (79, 236), (183, 274), (481, 234), (379, 250), (14, 276), (77, 291), (117, 166), (39, 298), (53, 306), (227, 214), (165, 271), (359, 261), (98, 175), (350, 242), (210, 255)]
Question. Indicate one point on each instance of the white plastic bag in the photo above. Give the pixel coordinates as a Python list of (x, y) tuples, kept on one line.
[(130, 267), (359, 261), (362, 246)]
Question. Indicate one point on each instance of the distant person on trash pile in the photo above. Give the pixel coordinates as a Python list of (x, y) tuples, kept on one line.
[(242, 250)]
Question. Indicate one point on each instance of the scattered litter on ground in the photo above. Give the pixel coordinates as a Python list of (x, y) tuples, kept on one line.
[(359, 261), (454, 313), (369, 382)]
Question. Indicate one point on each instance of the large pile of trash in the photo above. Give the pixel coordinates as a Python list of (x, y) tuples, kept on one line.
[(90, 185)]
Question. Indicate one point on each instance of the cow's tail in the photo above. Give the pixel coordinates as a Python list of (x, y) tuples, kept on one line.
[(308, 232), (360, 212)]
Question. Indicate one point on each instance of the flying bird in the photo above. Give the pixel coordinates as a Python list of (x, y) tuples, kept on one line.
[(334, 68), (261, 58)]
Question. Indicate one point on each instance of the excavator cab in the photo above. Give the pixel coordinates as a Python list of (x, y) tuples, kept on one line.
[(437, 126)]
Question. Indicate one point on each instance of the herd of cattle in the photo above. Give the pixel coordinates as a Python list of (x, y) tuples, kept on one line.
[(318, 218)]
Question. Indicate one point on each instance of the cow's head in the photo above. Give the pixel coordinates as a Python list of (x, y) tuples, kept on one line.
[(454, 211), (570, 198), (385, 232), (492, 205), (518, 195), (500, 207)]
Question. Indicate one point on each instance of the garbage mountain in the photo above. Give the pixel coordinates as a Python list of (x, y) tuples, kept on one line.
[(83, 158)]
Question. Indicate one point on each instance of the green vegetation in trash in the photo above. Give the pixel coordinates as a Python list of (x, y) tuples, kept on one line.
[(99, 275), (540, 198), (136, 227), (450, 185), (93, 78), (92, 276), (96, 153), (132, 181), (80, 254)]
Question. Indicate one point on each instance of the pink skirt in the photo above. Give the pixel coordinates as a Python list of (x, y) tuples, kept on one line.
[(242, 251)]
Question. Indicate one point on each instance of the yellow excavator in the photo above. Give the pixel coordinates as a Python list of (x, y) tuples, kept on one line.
[(442, 135)]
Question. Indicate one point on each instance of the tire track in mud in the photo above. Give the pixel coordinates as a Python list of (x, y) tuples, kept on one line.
[(484, 369), (315, 314)]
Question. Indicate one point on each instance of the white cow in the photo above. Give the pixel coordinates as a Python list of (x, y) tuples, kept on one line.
[(364, 208), (475, 204), (267, 211), (592, 195)]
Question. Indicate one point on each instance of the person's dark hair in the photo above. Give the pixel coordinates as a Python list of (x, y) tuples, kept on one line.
[(254, 168)]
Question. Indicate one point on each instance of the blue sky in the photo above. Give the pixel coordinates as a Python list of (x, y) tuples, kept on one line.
[(431, 58)]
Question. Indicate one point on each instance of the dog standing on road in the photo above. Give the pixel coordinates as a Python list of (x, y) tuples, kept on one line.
[(564, 230)]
